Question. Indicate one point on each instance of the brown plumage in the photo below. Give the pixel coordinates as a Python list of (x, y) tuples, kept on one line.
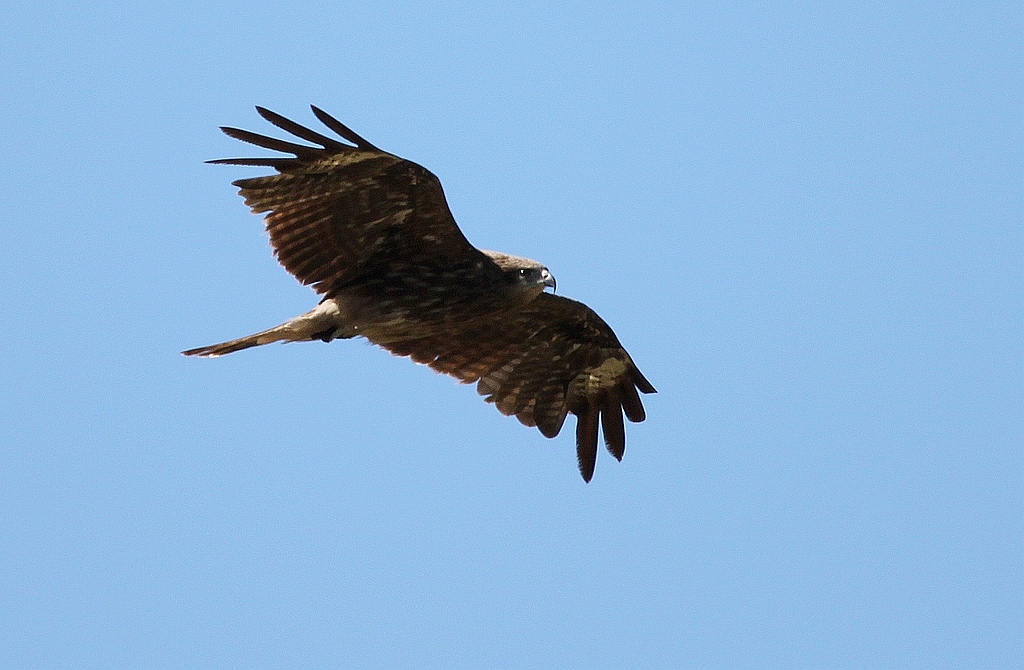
[(372, 233)]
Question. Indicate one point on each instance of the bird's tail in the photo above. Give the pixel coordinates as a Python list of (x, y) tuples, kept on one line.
[(275, 334), (322, 323)]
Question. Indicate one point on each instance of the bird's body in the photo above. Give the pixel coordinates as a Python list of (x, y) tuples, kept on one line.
[(372, 233)]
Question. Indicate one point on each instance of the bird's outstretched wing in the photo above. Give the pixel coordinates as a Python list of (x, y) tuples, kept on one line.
[(337, 208), (552, 357)]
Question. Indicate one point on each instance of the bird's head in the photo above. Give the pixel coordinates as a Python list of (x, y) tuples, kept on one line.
[(523, 273)]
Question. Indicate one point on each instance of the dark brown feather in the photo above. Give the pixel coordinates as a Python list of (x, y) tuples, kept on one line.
[(586, 442), (631, 402), (641, 382), (276, 163), (611, 424), (340, 128), (550, 410), (300, 131), (274, 144)]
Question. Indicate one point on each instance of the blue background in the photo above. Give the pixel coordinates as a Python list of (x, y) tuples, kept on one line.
[(803, 220)]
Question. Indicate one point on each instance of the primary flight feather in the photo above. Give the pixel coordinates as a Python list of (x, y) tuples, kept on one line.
[(372, 233)]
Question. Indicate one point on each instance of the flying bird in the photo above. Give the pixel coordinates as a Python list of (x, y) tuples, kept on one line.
[(372, 234)]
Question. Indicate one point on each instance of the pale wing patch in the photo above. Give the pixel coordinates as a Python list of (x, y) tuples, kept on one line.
[(605, 375)]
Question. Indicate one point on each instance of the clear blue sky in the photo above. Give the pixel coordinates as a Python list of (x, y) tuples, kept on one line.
[(804, 221)]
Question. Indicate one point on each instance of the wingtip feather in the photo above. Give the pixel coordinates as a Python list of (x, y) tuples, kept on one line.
[(340, 128), (631, 402), (612, 426), (272, 143), (299, 130), (586, 442), (642, 383)]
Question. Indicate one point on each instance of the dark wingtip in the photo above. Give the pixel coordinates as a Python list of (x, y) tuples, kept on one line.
[(300, 130), (301, 151), (340, 128), (276, 163), (586, 442), (198, 351), (612, 427), (641, 382), (631, 402)]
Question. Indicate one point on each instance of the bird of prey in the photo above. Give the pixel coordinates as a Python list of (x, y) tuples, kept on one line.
[(372, 234)]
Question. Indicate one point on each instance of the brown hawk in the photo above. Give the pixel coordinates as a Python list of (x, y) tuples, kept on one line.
[(372, 233)]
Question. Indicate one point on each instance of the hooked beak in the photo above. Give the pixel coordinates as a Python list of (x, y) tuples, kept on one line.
[(549, 280)]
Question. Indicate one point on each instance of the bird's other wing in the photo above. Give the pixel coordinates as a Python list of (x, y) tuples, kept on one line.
[(552, 357), (335, 209)]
